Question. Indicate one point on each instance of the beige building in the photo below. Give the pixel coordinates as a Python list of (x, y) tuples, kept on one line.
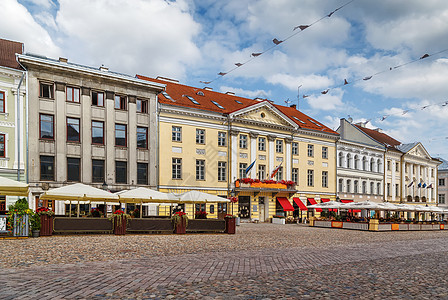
[(208, 141), (88, 125)]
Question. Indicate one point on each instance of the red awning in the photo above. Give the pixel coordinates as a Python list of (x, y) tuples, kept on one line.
[(300, 203), (323, 200), (312, 201), (346, 200), (284, 202)]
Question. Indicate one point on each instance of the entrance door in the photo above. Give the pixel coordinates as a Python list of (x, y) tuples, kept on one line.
[(244, 207), (261, 209)]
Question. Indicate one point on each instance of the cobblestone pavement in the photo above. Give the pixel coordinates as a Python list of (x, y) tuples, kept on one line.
[(382, 265)]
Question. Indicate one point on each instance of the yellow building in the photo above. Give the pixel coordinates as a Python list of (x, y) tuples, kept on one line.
[(208, 141)]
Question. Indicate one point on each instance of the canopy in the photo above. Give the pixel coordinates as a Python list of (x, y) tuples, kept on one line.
[(313, 203), (78, 192), (142, 194), (198, 197), (11, 187), (284, 202), (299, 203)]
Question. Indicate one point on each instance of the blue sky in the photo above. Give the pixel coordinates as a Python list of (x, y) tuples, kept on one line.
[(194, 40)]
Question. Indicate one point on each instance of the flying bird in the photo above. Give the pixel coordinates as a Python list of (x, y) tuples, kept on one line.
[(256, 54), (275, 41), (325, 92), (345, 82)]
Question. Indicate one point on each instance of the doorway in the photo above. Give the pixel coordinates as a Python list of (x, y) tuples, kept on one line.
[(244, 207)]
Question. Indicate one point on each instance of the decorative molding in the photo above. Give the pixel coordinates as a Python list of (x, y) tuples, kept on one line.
[(85, 91), (200, 151), (60, 86)]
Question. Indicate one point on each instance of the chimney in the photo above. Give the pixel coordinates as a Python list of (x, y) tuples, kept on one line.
[(378, 130), (63, 60), (208, 88), (104, 69), (259, 99), (293, 106), (361, 124)]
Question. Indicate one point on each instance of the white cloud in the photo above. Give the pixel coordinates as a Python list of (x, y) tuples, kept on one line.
[(17, 24), (246, 93), (327, 102), (312, 81)]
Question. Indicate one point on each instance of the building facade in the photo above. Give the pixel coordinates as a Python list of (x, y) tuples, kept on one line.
[(227, 145), (12, 117), (360, 165), (88, 125), (442, 183)]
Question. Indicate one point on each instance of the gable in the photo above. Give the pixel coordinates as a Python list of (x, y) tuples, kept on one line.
[(419, 151), (349, 132), (263, 113)]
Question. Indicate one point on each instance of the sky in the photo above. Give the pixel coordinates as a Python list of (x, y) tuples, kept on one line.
[(194, 40)]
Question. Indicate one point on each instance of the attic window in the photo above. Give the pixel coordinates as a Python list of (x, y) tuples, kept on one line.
[(200, 93), (192, 100), (167, 96), (239, 102), (217, 104), (314, 123), (299, 120)]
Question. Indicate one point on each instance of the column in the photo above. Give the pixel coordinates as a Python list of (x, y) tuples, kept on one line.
[(234, 155), (86, 136), (404, 185), (60, 133), (132, 138), (288, 157), (271, 155), (392, 184), (253, 153), (109, 126)]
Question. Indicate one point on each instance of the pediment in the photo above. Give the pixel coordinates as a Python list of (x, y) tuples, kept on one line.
[(263, 113), (419, 151)]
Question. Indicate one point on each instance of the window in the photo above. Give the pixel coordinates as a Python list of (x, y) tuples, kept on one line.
[(349, 186), (397, 167), (2, 145), (378, 188), (98, 170), (97, 98), (349, 160), (310, 150), (324, 179), (325, 152), (372, 165), (47, 168), (177, 168), (73, 169), (46, 127), (200, 136), (441, 181), (397, 190), (441, 199), (356, 162), (364, 163), (380, 165), (243, 167), (388, 165), (120, 102), (340, 185), (279, 175), (310, 178), (372, 188), (46, 90), (98, 132), (142, 106), (2, 102), (142, 173), (341, 159), (72, 94), (388, 189), (200, 169), (199, 207), (295, 175), (279, 146), (222, 138), (73, 130), (121, 172), (261, 172), (355, 186), (193, 100), (295, 148), (120, 135), (364, 187), (218, 105), (176, 134), (261, 144), (142, 137), (243, 141), (222, 172)]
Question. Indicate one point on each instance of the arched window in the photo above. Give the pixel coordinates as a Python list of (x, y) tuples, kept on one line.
[(378, 188), (349, 186), (355, 187), (349, 160), (341, 159), (372, 188), (372, 165), (380, 165), (356, 162), (341, 181), (364, 163), (364, 187)]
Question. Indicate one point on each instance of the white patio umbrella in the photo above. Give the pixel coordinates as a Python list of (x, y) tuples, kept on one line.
[(11, 187), (142, 194), (327, 205), (200, 197), (363, 205), (78, 192), (389, 206)]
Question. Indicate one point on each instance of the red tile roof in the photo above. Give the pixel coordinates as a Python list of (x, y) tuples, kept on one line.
[(8, 50), (229, 103), (379, 136)]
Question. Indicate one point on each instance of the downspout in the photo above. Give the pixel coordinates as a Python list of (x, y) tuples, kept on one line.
[(229, 156), (19, 111), (157, 141)]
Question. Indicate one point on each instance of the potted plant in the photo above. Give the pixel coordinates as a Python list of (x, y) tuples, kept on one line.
[(180, 222), (96, 213), (119, 222), (276, 219), (200, 215), (230, 224), (35, 225), (19, 218), (46, 220)]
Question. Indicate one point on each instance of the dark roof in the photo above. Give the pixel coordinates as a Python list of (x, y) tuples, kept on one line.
[(8, 50), (379, 136), (224, 103)]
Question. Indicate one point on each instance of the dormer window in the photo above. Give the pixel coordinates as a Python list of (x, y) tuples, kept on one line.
[(200, 93)]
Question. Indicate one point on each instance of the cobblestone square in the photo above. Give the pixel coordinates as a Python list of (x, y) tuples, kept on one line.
[(262, 261)]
